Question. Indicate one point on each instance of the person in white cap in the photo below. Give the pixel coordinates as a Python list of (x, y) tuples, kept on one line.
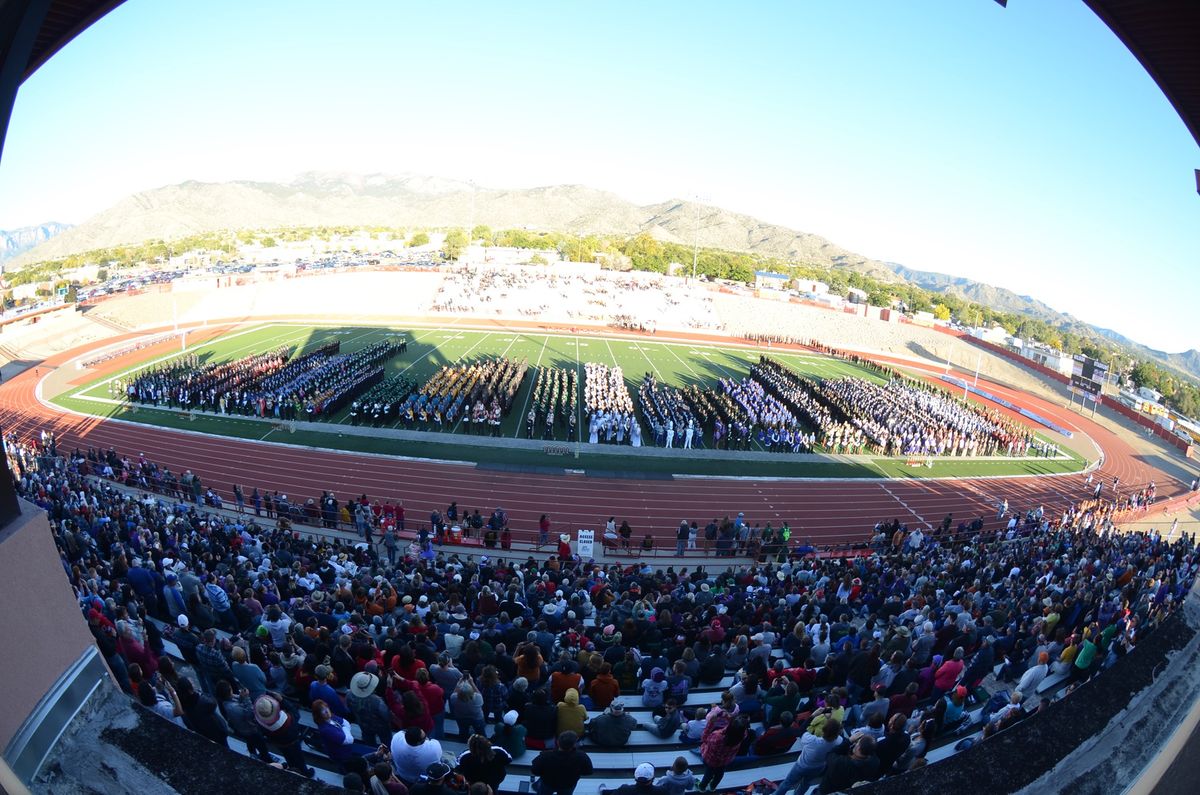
[(643, 783)]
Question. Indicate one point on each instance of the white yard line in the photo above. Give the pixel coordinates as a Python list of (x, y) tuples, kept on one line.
[(646, 356), (671, 349)]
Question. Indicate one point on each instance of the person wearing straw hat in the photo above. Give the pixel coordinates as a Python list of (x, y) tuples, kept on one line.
[(282, 731), (368, 709)]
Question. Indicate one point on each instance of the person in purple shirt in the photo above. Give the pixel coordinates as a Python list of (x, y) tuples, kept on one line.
[(321, 689)]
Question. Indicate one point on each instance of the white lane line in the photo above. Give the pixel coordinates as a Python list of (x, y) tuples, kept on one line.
[(904, 505)]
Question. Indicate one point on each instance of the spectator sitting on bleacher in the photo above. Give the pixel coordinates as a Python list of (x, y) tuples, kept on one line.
[(337, 740), (282, 730), (433, 781), (412, 754), (368, 709), (678, 779), (571, 714), (483, 762), (814, 754), (843, 772), (384, 781), (612, 729), (541, 720), (654, 688), (779, 738), (559, 771), (643, 783), (510, 735), (693, 730), (894, 744), (667, 722), (604, 688), (239, 714)]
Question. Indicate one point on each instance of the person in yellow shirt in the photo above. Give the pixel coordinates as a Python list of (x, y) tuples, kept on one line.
[(571, 714)]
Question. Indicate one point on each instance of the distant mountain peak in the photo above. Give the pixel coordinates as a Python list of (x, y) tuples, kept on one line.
[(17, 241), (323, 198)]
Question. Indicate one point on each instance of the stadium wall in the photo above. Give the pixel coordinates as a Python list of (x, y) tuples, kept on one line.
[(52, 667)]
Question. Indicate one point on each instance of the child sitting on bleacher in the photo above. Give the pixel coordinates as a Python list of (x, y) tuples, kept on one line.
[(678, 779), (693, 730)]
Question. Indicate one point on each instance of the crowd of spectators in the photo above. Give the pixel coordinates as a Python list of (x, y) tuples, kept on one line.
[(859, 664), (629, 300), (141, 343)]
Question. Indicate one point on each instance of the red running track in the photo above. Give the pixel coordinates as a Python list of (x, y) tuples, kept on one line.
[(826, 511)]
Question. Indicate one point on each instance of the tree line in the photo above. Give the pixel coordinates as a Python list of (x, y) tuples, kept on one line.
[(644, 252)]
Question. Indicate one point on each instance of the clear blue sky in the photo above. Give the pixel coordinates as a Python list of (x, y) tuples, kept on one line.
[(1024, 147)]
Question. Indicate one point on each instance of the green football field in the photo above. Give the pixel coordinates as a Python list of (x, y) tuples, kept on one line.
[(429, 349)]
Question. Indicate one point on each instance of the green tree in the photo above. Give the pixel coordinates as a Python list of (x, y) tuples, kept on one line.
[(268, 242), (879, 298), (970, 315), (483, 233), (455, 242), (418, 239), (1147, 375)]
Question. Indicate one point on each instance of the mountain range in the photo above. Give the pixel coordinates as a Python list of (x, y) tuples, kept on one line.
[(326, 199), (17, 241)]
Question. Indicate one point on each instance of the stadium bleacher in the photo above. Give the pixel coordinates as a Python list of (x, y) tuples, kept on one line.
[(1024, 591)]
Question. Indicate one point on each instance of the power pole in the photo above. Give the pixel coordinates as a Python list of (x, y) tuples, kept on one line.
[(695, 236)]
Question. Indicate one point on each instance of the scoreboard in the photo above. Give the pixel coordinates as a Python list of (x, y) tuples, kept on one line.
[(1087, 377)]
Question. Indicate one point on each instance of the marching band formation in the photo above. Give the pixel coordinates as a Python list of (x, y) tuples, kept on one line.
[(772, 406), (481, 393), (312, 386), (609, 406), (555, 398)]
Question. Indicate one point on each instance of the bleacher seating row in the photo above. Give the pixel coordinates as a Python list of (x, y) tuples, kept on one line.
[(613, 768)]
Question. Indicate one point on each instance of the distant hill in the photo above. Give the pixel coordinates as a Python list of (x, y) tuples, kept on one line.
[(317, 199), (984, 294), (1187, 363), (18, 241), (329, 199)]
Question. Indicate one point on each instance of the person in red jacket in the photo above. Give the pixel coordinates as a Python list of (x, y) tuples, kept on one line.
[(718, 748), (947, 676)]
